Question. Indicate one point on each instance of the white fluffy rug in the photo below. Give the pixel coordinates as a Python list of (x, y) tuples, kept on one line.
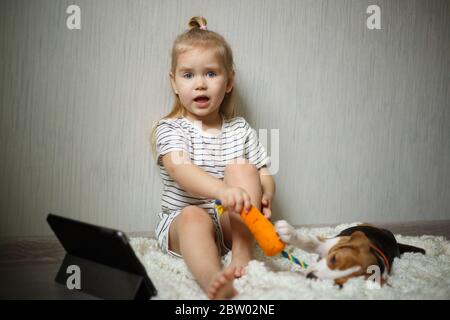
[(414, 276)]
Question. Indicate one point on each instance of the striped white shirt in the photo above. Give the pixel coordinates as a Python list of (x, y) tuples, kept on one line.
[(211, 151)]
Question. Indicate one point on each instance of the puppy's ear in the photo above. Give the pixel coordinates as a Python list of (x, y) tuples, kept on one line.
[(358, 235)]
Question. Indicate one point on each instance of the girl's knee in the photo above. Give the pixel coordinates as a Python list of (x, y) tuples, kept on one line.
[(193, 215), (241, 167), (192, 221)]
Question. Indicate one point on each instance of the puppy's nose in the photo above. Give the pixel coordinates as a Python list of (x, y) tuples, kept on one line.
[(311, 276)]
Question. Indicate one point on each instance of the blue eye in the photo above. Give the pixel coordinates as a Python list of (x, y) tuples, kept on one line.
[(188, 75), (211, 74)]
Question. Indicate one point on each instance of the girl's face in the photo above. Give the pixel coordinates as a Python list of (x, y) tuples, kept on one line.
[(201, 81)]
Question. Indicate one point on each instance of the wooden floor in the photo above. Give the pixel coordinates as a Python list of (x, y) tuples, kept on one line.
[(29, 265)]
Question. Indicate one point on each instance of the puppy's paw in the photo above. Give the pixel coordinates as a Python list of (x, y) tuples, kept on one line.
[(286, 232)]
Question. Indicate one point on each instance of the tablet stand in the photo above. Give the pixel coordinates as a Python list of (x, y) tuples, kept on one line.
[(104, 281)]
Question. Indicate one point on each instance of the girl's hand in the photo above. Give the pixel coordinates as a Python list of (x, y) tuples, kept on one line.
[(235, 199), (266, 205)]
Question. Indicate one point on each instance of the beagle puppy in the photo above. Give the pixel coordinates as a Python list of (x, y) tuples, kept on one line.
[(351, 253)]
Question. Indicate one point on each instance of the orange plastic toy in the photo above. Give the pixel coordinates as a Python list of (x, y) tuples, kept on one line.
[(262, 229)]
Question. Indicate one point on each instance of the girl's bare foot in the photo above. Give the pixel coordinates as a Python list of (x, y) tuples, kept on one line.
[(221, 286), (239, 262)]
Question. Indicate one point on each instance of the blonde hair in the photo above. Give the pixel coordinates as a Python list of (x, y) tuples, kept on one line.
[(198, 36)]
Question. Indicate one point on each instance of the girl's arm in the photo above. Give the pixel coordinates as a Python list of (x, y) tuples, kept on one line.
[(268, 191), (200, 183), (267, 181)]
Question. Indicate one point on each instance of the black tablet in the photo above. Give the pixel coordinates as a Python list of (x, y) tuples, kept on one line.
[(102, 252)]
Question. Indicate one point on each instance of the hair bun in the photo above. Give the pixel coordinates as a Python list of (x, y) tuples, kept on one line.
[(197, 22)]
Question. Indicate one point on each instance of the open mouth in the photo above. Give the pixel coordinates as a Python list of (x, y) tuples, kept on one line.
[(201, 99)]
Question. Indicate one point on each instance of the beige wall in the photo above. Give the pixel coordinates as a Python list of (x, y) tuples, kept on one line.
[(363, 115)]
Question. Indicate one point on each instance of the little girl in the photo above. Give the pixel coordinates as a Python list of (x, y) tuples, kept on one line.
[(205, 153)]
